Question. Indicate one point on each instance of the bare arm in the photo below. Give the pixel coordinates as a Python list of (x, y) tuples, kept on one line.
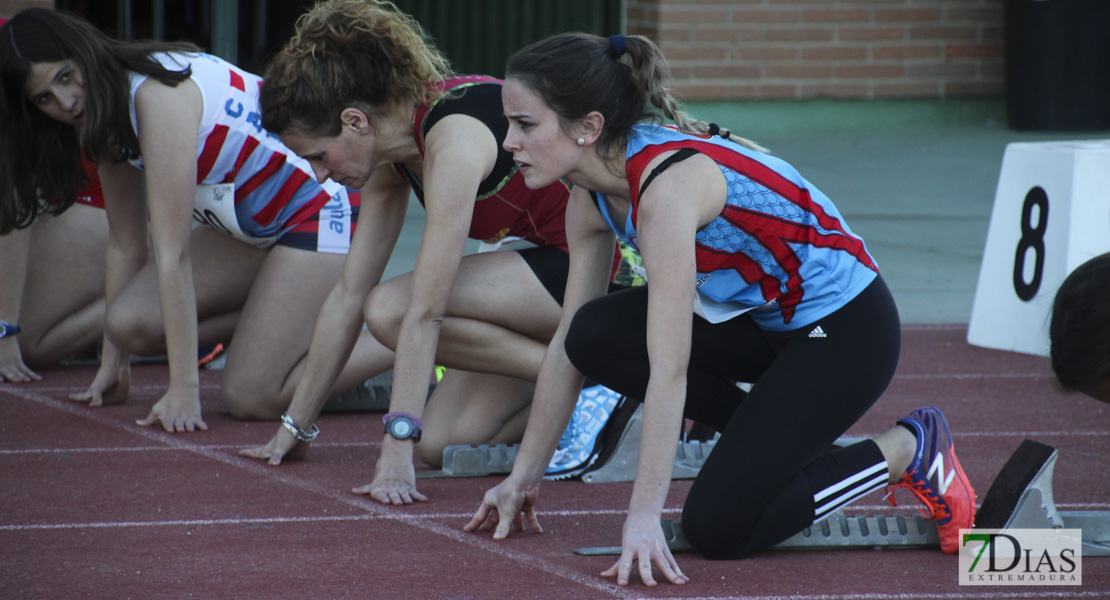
[(169, 118), (685, 196), (460, 153), (13, 273), (125, 206), (591, 257), (381, 215)]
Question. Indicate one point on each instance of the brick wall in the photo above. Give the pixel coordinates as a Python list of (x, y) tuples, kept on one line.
[(763, 49)]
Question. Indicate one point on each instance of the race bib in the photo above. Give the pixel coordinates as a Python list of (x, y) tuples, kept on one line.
[(215, 207)]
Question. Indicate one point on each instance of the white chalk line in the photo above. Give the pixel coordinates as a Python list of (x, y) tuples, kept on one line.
[(967, 376), (70, 389), (421, 520), (377, 443), (853, 511), (374, 508), (152, 389), (369, 444), (992, 593)]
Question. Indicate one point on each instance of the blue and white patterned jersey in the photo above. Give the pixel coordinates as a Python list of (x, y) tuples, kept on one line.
[(779, 248)]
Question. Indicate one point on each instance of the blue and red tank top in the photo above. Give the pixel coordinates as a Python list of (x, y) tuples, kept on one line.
[(779, 247)]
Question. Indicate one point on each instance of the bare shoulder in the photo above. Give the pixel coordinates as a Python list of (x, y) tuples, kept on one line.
[(462, 137), (695, 183), (154, 98)]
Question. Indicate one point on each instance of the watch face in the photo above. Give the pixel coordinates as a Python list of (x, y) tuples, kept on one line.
[(400, 427)]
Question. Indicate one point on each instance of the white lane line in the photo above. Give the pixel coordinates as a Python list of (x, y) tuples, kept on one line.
[(377, 443), (966, 376), (164, 448), (914, 596), (853, 510), (477, 541), (185, 523)]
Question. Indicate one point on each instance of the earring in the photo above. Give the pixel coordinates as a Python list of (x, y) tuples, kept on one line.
[(581, 141)]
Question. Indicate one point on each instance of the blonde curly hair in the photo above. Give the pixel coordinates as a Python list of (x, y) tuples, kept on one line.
[(365, 54)]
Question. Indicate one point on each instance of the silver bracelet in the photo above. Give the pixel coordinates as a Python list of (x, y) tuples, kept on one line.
[(300, 434)]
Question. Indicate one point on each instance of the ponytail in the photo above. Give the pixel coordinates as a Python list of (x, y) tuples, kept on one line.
[(625, 78)]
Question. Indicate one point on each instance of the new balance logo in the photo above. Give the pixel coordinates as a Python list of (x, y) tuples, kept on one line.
[(938, 465), (817, 332)]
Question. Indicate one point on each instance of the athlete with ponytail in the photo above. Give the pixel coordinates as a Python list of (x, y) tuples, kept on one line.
[(752, 276), (365, 97)]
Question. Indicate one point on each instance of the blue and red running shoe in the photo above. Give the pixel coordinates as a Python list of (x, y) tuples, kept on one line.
[(936, 478)]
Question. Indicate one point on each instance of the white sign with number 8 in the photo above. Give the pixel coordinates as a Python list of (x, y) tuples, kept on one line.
[(1051, 214)]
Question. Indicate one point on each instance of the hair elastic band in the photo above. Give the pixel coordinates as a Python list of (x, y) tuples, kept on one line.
[(715, 129), (617, 42)]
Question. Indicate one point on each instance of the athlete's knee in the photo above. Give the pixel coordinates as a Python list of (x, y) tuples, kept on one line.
[(250, 400), (587, 338), (430, 451), (139, 331), (383, 312), (715, 529)]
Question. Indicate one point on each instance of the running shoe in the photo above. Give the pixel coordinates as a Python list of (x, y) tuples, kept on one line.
[(580, 444), (936, 478), (213, 358)]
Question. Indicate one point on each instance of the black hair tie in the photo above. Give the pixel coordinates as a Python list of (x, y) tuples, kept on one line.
[(715, 129)]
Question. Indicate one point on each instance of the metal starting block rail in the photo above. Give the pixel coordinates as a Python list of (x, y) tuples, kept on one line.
[(621, 466), (836, 531), (689, 457), (475, 461), (1019, 498), (483, 460)]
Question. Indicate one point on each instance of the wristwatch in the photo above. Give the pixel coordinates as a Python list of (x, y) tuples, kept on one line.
[(403, 425), (7, 329)]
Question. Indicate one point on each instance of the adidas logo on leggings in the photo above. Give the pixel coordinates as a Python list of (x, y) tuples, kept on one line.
[(817, 332)]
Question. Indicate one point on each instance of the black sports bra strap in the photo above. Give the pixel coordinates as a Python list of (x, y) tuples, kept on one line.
[(682, 154)]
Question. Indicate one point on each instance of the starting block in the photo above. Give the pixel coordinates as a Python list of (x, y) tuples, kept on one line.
[(483, 460), (1020, 498), (689, 457), (474, 461), (370, 396), (621, 466), (837, 531)]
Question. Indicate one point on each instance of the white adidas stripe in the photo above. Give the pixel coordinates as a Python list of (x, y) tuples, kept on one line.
[(864, 488), (818, 497)]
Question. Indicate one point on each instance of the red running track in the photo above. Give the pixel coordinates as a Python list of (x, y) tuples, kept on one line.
[(93, 506)]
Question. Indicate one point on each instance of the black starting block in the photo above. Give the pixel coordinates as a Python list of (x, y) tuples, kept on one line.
[(1020, 498)]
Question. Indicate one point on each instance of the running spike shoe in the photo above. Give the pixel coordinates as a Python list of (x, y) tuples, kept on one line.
[(936, 478), (580, 444)]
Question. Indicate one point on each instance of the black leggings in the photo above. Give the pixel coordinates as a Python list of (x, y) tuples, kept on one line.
[(772, 472)]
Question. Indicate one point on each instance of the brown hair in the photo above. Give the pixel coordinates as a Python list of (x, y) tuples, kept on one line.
[(365, 54), (577, 73), (40, 158)]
